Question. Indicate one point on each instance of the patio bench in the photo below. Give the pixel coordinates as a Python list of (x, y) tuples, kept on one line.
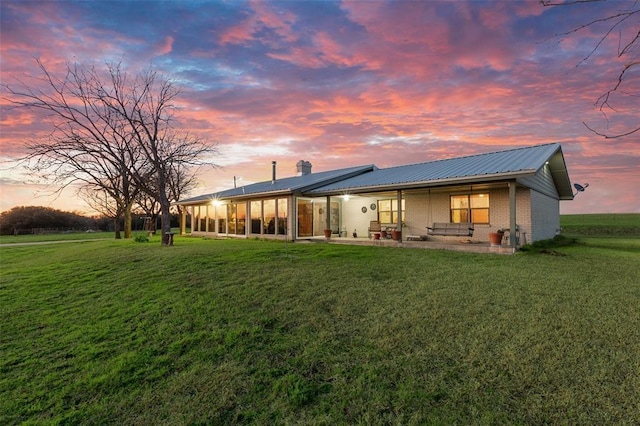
[(463, 229)]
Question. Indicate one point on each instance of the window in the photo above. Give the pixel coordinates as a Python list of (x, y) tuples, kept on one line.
[(237, 214), (200, 218), (256, 217), (269, 209), (211, 223), (470, 208), (282, 216), (221, 212), (269, 216), (388, 211)]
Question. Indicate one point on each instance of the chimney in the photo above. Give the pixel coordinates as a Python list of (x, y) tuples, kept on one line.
[(273, 172), (303, 168)]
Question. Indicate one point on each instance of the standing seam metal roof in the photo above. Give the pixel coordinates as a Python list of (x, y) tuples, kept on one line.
[(513, 163), (508, 163), (284, 185)]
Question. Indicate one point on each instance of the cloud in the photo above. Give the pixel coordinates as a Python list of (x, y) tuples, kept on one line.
[(342, 84)]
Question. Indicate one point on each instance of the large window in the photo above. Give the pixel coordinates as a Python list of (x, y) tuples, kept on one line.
[(388, 211), (221, 212), (470, 208), (256, 217), (211, 216), (203, 218), (269, 216), (237, 216), (312, 217), (282, 216), (269, 209)]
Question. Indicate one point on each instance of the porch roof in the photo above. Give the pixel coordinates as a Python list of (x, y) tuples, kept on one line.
[(283, 186), (501, 165)]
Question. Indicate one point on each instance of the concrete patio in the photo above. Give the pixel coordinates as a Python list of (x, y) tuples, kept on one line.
[(454, 244)]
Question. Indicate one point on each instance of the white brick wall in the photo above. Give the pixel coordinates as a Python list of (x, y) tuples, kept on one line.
[(425, 208)]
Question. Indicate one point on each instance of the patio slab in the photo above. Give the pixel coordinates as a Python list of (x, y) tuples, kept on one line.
[(471, 247)]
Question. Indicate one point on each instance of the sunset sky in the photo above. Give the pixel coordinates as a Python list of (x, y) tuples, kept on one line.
[(342, 84)]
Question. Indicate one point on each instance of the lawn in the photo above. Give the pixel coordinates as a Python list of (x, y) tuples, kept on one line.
[(601, 224), (228, 331), (65, 236)]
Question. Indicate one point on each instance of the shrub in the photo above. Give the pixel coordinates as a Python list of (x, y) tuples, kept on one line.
[(141, 239), (548, 246)]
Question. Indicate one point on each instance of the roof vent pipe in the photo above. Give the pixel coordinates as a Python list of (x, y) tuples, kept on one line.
[(273, 172)]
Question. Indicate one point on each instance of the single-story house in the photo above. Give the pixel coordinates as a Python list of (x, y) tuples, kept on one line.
[(517, 190)]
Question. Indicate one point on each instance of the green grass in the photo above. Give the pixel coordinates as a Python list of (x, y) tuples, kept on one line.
[(229, 332), (601, 224), (72, 236), (66, 236)]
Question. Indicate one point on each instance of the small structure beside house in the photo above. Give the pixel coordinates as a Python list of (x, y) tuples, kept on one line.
[(517, 190)]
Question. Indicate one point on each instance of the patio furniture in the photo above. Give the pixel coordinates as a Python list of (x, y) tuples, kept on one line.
[(462, 229), (374, 226)]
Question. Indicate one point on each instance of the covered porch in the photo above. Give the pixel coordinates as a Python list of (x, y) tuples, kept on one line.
[(491, 207)]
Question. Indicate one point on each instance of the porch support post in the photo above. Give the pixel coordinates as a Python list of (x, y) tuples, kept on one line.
[(292, 224), (328, 224), (183, 220), (399, 223), (512, 215)]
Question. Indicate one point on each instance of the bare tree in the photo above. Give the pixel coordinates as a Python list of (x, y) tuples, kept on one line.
[(181, 181), (625, 26), (88, 145), (111, 133), (146, 104)]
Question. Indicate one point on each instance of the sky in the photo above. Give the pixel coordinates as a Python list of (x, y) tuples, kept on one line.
[(350, 83)]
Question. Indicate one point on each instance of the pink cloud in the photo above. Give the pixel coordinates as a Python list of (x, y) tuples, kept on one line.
[(165, 47), (382, 83), (263, 16)]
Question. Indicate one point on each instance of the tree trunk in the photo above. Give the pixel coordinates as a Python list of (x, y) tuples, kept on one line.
[(127, 220), (165, 218), (116, 228)]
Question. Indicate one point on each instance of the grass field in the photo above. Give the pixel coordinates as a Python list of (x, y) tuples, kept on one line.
[(601, 224), (225, 332), (67, 236)]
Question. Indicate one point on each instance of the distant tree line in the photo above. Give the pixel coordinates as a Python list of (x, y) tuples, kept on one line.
[(36, 219)]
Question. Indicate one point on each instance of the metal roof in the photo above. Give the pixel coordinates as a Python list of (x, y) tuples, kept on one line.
[(518, 163), (511, 164), (286, 185)]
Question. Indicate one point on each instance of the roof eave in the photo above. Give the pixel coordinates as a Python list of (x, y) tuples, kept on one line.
[(430, 183)]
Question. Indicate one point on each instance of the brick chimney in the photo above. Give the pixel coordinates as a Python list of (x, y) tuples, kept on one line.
[(303, 168)]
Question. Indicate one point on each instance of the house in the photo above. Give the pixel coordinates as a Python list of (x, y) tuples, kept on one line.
[(518, 190)]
